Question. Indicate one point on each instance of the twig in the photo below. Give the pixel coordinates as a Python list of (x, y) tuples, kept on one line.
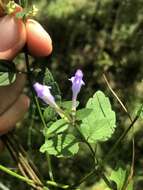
[(20, 160), (133, 145), (116, 96)]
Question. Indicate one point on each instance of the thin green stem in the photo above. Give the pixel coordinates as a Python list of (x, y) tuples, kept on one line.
[(12, 173), (83, 179), (50, 167), (120, 139), (54, 184), (85, 141), (94, 158), (63, 115), (39, 110), (44, 124)]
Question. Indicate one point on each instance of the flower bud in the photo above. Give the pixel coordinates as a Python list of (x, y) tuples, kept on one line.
[(44, 93), (77, 83)]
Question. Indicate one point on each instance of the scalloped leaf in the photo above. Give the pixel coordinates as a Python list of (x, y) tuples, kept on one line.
[(100, 124), (119, 177)]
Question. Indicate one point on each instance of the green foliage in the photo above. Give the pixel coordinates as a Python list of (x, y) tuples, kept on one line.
[(100, 124), (61, 145), (7, 69), (49, 114), (98, 36), (20, 15), (6, 78), (119, 177), (58, 143), (62, 9), (57, 127), (83, 113)]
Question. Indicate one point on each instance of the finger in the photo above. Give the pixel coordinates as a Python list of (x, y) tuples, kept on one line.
[(10, 93), (38, 40), (14, 114), (12, 36)]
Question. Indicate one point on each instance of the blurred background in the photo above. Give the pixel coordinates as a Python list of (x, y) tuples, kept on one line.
[(97, 36)]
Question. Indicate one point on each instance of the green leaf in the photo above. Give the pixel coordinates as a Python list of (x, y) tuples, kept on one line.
[(20, 15), (119, 177), (49, 114), (82, 113), (63, 145), (57, 127), (7, 70), (5, 78), (99, 125)]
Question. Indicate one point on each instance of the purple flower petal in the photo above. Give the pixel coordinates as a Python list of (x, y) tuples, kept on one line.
[(44, 93), (77, 83)]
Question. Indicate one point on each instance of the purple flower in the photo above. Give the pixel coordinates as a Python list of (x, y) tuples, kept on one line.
[(44, 93), (77, 83)]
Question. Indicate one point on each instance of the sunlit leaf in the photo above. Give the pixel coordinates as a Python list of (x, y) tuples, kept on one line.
[(83, 113), (119, 177), (57, 127), (6, 78), (100, 124), (63, 145)]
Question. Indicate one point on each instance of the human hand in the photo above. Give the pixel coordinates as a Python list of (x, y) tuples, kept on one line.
[(14, 34), (13, 104)]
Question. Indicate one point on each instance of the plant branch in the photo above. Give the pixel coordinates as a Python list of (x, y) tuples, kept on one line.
[(39, 109), (12, 173)]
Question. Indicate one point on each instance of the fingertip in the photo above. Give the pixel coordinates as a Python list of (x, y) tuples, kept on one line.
[(38, 40)]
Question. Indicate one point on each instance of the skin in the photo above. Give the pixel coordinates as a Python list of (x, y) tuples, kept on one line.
[(12, 41), (13, 38), (14, 34), (37, 35)]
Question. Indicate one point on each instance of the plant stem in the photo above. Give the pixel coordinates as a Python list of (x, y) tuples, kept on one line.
[(39, 110), (20, 157), (111, 151), (120, 139), (12, 173), (62, 186), (83, 179), (94, 158), (50, 167)]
